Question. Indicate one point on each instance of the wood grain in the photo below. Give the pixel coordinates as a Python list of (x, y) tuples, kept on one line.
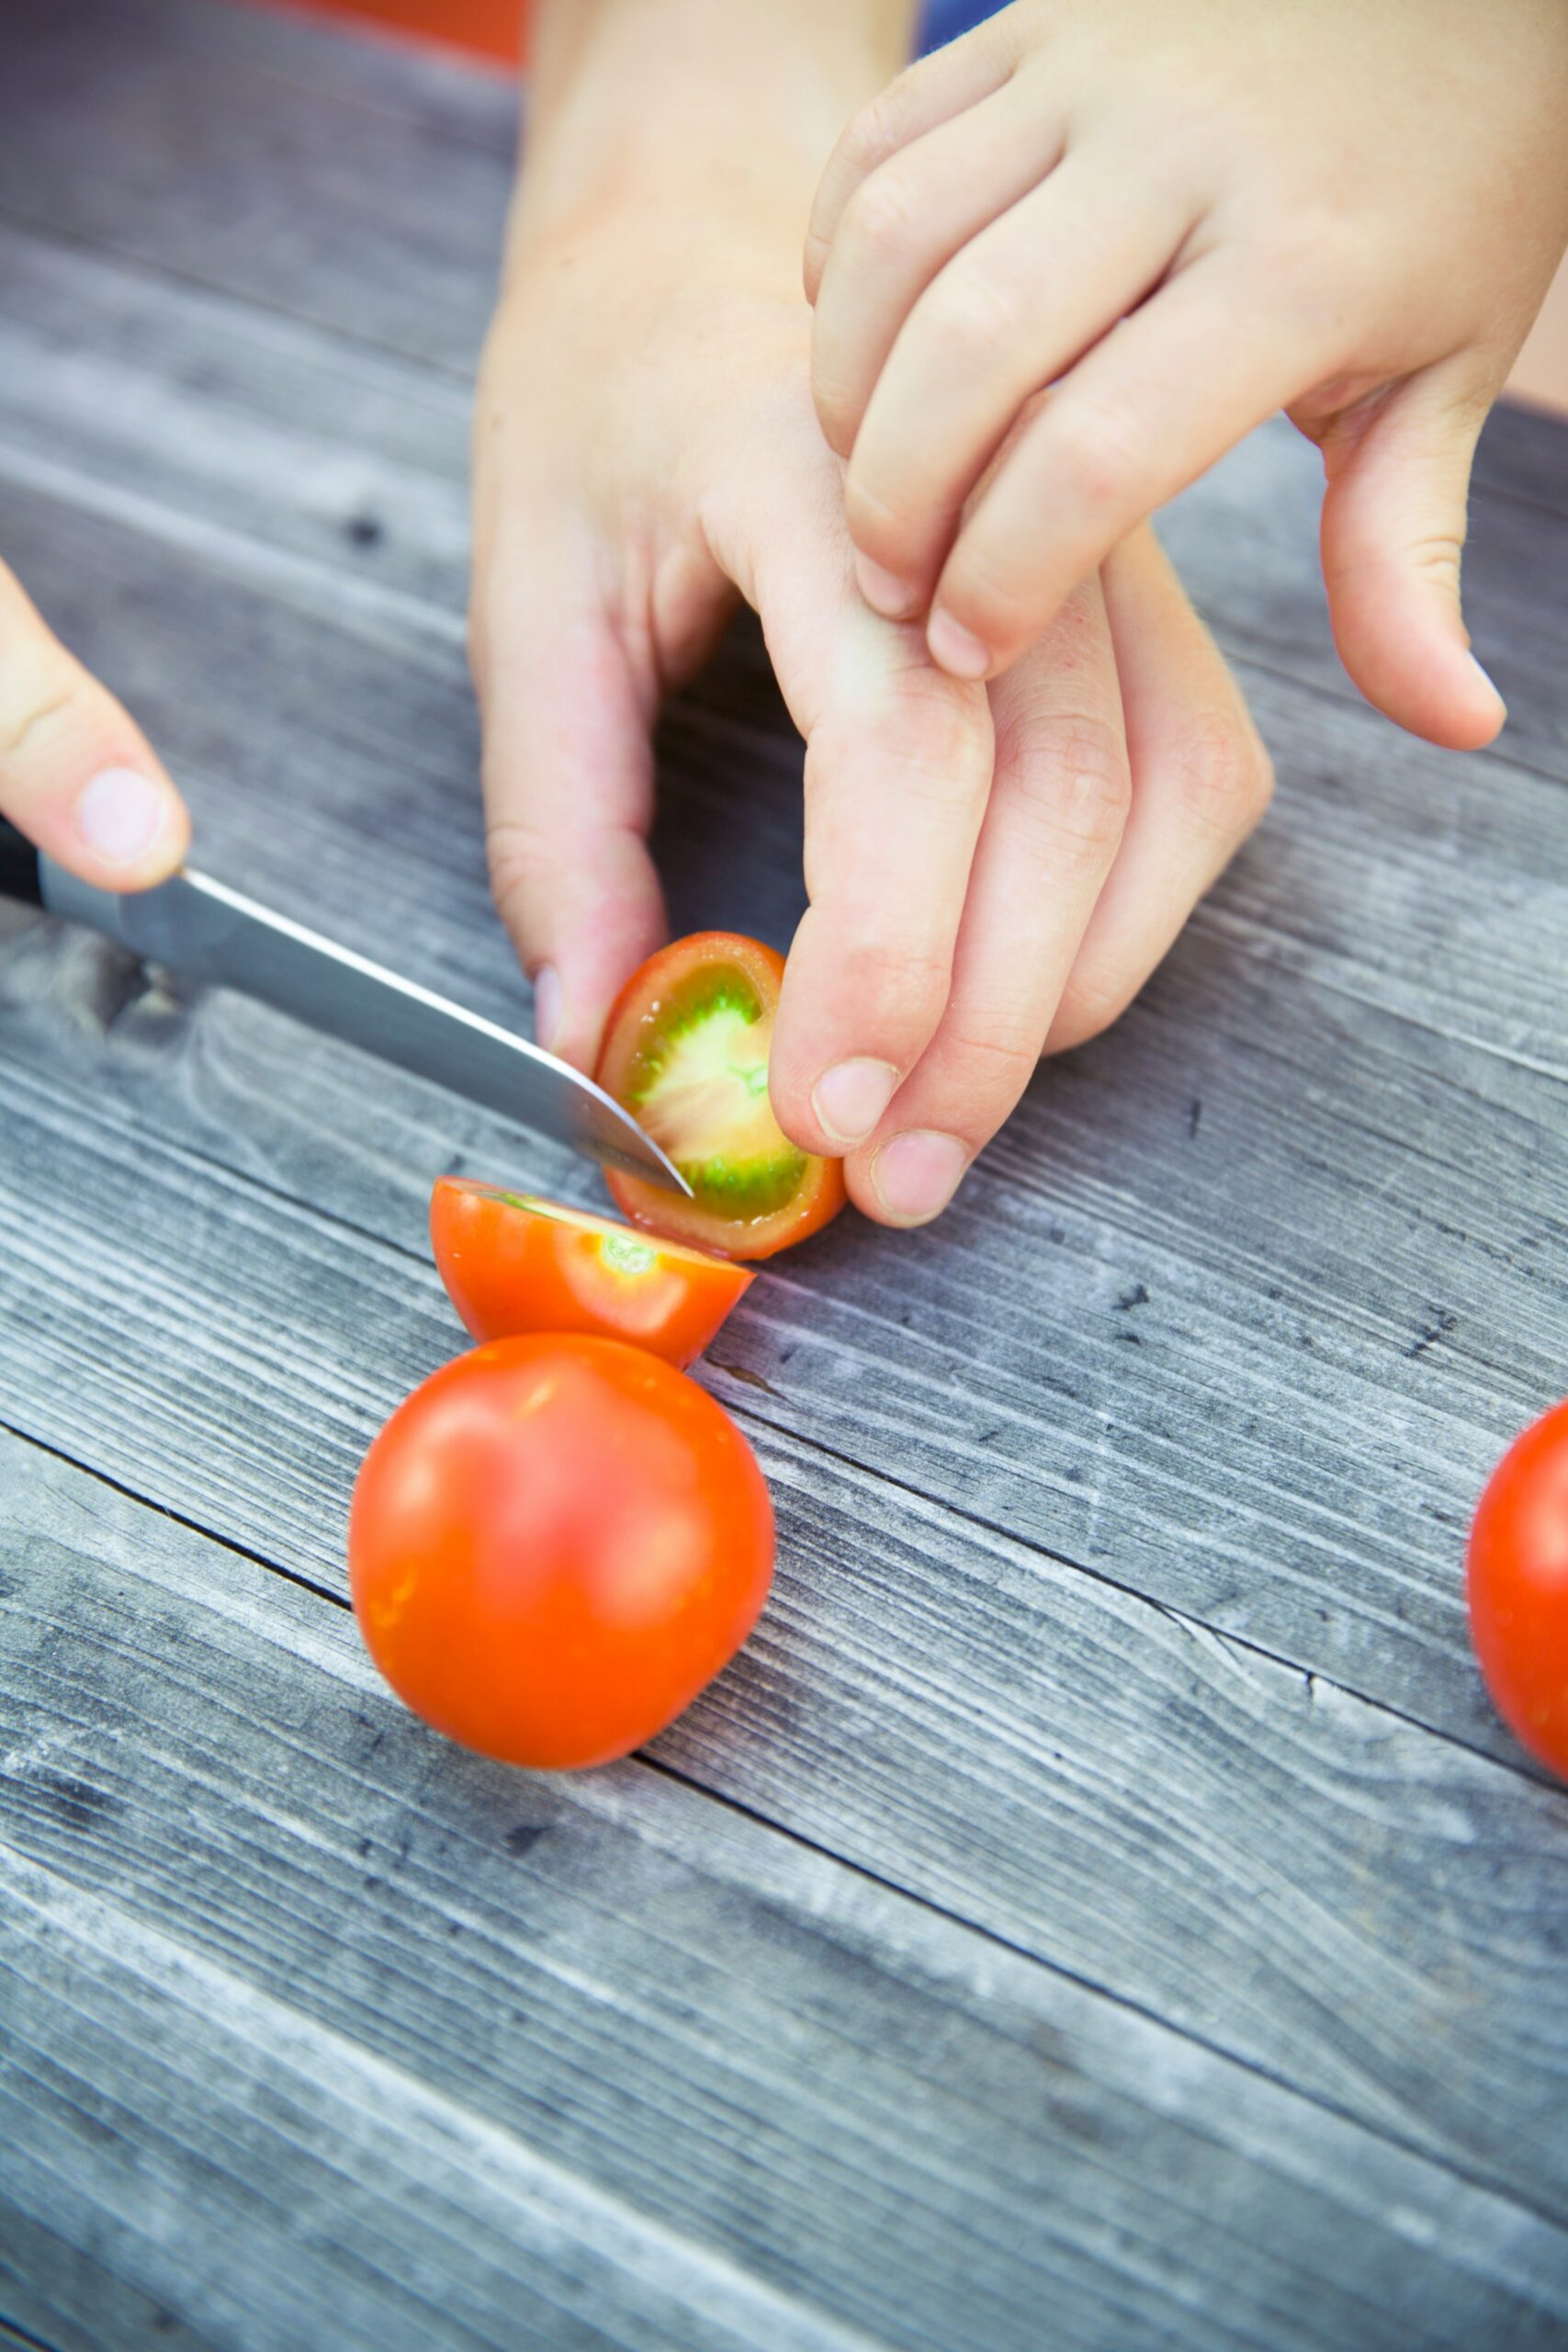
[(1101, 1890), (495, 2032), (1281, 1871), (300, 167)]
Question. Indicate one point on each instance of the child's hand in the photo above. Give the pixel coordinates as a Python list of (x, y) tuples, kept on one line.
[(1182, 215), (990, 871), (77, 776)]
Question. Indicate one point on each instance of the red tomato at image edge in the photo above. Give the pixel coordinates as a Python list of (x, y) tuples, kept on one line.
[(554, 1543), (1517, 1584)]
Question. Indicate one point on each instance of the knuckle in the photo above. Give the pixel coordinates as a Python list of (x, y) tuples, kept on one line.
[(1438, 557), (972, 317), (1222, 774), (934, 731), (1099, 446), (994, 1054), (882, 218), (939, 727), (1000, 610), (518, 860), (868, 518), (1095, 996), (1319, 266), (903, 981), (35, 696), (1081, 788), (878, 129)]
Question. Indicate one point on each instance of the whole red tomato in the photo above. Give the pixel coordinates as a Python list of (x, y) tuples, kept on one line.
[(1517, 1573), (554, 1543)]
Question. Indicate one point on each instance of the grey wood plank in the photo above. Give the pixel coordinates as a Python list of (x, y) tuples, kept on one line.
[(417, 2028), (64, 2297), (290, 2190), (201, 408), (1524, 455), (207, 127), (1271, 1864)]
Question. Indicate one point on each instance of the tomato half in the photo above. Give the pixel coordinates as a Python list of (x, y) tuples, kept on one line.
[(686, 1052), (514, 1264), (1517, 1577), (554, 1543)]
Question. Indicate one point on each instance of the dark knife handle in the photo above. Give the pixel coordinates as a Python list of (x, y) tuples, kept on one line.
[(19, 876)]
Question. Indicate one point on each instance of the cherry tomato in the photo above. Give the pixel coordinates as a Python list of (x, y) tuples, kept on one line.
[(554, 1543), (686, 1052), (1518, 1570), (514, 1264)]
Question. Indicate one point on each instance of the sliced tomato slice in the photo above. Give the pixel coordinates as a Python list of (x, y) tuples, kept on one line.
[(686, 1052), (514, 1263)]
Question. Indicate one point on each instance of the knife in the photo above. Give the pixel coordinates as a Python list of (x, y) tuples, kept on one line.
[(204, 930)]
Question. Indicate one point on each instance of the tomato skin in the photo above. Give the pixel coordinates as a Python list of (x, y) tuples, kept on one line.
[(819, 1193), (1517, 1574), (513, 1265), (554, 1543)]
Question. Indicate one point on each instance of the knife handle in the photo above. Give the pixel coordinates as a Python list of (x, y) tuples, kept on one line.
[(19, 874)]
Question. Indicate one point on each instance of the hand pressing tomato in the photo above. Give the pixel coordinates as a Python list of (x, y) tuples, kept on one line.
[(554, 1544), (1518, 1587), (686, 1052), (514, 1264)]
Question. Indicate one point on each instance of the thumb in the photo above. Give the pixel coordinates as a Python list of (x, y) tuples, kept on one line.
[(76, 773), (1393, 529), (568, 796)]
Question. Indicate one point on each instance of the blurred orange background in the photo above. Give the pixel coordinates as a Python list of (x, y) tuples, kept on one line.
[(493, 28)]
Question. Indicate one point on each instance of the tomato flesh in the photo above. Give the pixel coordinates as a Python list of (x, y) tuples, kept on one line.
[(1517, 1587), (513, 1262), (686, 1051), (554, 1544)]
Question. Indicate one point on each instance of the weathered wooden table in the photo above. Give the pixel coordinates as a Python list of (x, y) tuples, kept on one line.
[(1099, 1908)]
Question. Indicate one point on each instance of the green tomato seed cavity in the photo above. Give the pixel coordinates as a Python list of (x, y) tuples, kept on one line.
[(625, 1255)]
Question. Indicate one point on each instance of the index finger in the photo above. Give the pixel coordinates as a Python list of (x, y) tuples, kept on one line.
[(898, 764), (924, 96)]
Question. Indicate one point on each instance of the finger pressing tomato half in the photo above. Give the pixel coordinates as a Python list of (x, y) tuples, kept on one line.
[(686, 1052), (554, 1544), (514, 1264), (1517, 1575)]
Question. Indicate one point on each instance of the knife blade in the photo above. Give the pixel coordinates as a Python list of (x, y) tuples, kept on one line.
[(204, 930)]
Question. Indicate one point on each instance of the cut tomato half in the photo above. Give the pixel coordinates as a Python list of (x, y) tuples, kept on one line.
[(686, 1053), (514, 1263)]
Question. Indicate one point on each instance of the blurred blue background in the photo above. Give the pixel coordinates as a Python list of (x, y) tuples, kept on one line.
[(944, 20)]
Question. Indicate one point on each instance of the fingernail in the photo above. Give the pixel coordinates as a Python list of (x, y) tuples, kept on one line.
[(1490, 686), (917, 1173), (546, 1006), (849, 1098), (883, 590), (121, 814), (953, 649)]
